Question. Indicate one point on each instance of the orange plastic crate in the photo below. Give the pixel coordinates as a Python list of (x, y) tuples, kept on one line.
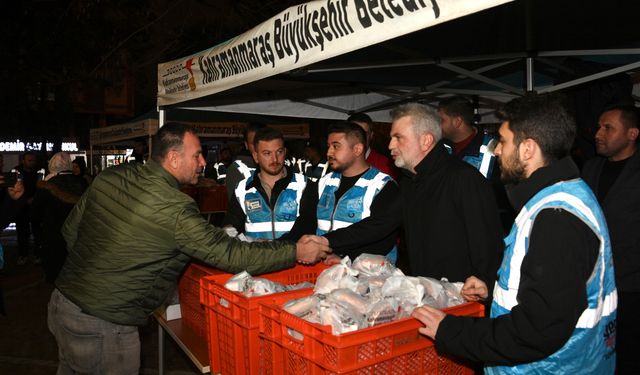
[(233, 320), (193, 313), (392, 348)]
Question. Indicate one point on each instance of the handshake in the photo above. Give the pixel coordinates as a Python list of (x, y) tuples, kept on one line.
[(312, 249)]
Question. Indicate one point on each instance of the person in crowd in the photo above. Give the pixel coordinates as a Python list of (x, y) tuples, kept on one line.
[(351, 193), (554, 304), (129, 237), (52, 202), (474, 146), (140, 150), (383, 163), (10, 203), (447, 209), (316, 165), (614, 177), (463, 139), (29, 174), (11, 198), (219, 169), (79, 168), (266, 204), (244, 164)]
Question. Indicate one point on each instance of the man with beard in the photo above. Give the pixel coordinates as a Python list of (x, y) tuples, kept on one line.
[(554, 304), (446, 209), (267, 203), (615, 179), (354, 192), (129, 238)]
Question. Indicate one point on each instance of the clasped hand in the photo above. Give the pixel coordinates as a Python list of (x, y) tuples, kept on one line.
[(312, 249)]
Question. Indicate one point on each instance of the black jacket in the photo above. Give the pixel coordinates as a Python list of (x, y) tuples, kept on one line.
[(450, 220), (52, 203), (561, 255), (621, 208)]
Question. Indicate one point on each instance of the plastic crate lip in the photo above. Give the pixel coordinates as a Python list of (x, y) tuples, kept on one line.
[(322, 335), (215, 285), (361, 336)]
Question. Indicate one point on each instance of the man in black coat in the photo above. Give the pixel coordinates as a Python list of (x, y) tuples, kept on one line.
[(614, 177), (446, 208)]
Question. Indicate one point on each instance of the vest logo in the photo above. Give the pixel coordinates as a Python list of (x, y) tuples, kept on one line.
[(253, 205), (610, 335)]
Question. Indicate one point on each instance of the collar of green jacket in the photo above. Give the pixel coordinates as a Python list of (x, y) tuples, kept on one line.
[(158, 169)]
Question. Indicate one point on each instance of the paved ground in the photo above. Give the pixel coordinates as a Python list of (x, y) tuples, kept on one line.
[(27, 346)]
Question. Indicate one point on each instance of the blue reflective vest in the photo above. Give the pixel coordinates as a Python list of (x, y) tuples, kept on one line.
[(591, 347), (484, 160), (262, 222), (243, 168)]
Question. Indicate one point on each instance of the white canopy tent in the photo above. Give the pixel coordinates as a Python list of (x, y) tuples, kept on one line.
[(266, 71)]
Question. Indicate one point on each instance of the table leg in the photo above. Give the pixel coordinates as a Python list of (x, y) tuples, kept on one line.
[(160, 349)]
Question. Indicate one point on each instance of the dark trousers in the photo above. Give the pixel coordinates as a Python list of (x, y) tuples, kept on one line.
[(25, 226), (627, 333), (23, 232)]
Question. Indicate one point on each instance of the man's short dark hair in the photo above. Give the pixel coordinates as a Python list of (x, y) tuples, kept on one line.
[(360, 117), (458, 106), (544, 118), (169, 137), (629, 116), (252, 127), (267, 134), (27, 153), (351, 130)]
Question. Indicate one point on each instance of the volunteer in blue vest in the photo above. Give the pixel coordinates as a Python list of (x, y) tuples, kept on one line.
[(267, 203), (475, 147), (352, 192), (464, 140), (554, 304), (244, 164)]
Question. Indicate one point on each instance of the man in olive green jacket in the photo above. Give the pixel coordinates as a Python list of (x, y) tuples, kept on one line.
[(129, 237)]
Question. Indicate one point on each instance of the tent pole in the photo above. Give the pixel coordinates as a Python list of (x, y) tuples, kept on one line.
[(162, 116), (530, 87)]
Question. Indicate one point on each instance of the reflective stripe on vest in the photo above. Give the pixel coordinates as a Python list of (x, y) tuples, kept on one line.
[(261, 221), (353, 206), (591, 347), (244, 169)]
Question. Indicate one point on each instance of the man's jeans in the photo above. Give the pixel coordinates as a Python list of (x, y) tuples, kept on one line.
[(89, 345)]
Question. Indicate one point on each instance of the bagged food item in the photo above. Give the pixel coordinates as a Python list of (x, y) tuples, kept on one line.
[(373, 265), (256, 286), (238, 282), (336, 277), (251, 286), (343, 311), (403, 288), (349, 297), (382, 311), (302, 285), (452, 292), (370, 284), (307, 308)]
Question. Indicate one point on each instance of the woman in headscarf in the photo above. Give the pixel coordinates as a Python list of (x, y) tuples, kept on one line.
[(54, 199)]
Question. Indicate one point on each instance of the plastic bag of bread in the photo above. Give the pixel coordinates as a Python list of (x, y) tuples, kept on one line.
[(373, 265), (307, 308), (344, 311), (256, 286), (238, 282), (338, 276), (403, 288), (382, 311)]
